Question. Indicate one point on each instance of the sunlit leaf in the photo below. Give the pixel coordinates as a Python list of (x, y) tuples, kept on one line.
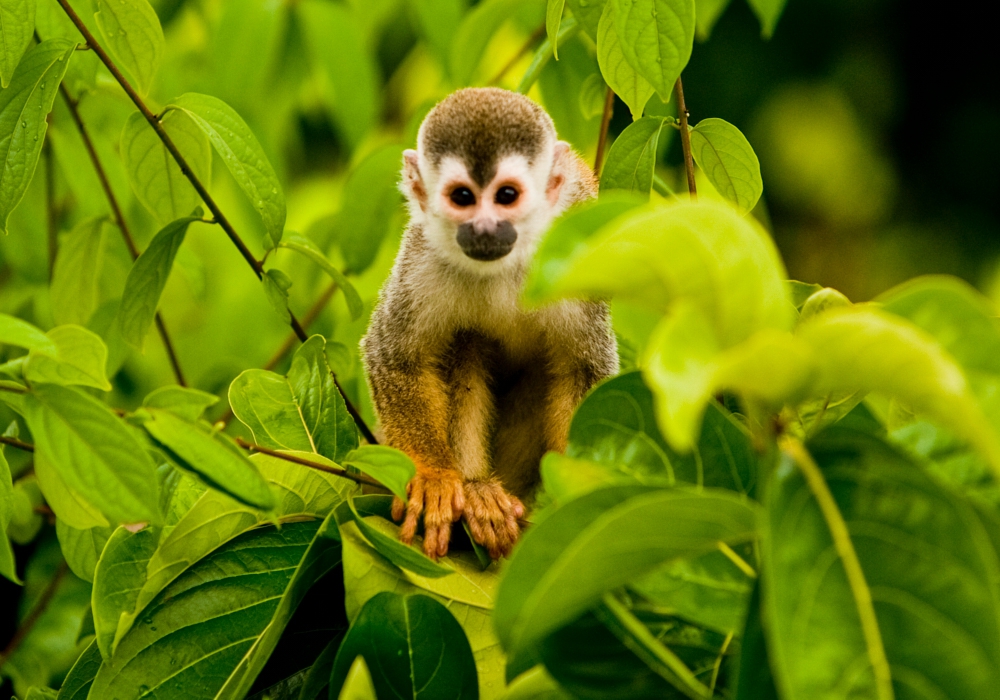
[(276, 285), (708, 13), (553, 18), (656, 38), (119, 576), (619, 74), (67, 503), (17, 20), (727, 159), (77, 271), (80, 358), (415, 646), (82, 548), (475, 31), (14, 331), (24, 105), (632, 158), (93, 452), (146, 281), (588, 13), (77, 684), (183, 401), (131, 32), (242, 154), (358, 683), (304, 246), (153, 173), (392, 467), (768, 12)]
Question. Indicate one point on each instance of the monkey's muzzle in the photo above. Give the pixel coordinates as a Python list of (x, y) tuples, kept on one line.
[(486, 242)]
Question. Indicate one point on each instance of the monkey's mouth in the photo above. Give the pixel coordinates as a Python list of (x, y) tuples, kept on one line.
[(486, 244)]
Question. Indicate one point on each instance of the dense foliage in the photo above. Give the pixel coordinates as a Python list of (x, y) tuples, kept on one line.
[(782, 495)]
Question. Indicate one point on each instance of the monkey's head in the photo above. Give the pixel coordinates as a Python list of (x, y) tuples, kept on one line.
[(487, 178)]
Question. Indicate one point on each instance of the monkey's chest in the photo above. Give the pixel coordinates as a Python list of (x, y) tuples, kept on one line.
[(502, 363)]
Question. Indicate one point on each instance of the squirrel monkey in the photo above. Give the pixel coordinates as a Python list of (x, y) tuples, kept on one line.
[(468, 383)]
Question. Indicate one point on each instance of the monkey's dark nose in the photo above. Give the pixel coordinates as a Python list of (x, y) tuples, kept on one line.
[(486, 243)]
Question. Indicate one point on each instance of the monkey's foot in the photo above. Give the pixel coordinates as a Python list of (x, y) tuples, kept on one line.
[(492, 515), (438, 495)]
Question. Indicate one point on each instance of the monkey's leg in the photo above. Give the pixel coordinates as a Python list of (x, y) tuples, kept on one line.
[(413, 407)]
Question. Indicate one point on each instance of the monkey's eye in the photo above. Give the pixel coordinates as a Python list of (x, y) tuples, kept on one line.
[(506, 195), (463, 197)]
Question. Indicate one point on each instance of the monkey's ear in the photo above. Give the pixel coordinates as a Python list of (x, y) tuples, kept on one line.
[(413, 184), (560, 171)]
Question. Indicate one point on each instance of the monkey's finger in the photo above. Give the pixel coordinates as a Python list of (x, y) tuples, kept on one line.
[(430, 541), (398, 508), (518, 507), (413, 510), (457, 504), (444, 537)]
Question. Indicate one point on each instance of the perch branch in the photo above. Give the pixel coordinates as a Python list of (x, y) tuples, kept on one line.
[(682, 112), (14, 442), (358, 478)]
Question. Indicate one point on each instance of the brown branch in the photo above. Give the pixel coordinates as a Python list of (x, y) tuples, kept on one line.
[(521, 53), (116, 212), (36, 612), (683, 113), (307, 321), (358, 478), (602, 139), (186, 170), (14, 442)]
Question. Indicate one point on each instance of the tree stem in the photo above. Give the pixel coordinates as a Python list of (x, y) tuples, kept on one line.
[(14, 442), (682, 112), (36, 612), (602, 138), (358, 478), (116, 211)]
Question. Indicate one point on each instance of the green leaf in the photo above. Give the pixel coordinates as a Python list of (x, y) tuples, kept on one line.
[(392, 467), (755, 680), (402, 555), (93, 452), (118, 577), (40, 694), (17, 21), (358, 683), (242, 154), (8, 568), (81, 676), (153, 173), (24, 105), (477, 28), (553, 18), (301, 244), (540, 60), (80, 359), (632, 157), (147, 279), (180, 400), (707, 14), (468, 593), (536, 684), (567, 237), (25, 522), (656, 37), (68, 505), (592, 94), (276, 285), (588, 13), (186, 646), (215, 519), (82, 548), (14, 331), (77, 271), (768, 12), (565, 564), (820, 301), (370, 200), (619, 74), (438, 22), (206, 453), (317, 678), (707, 253), (415, 645), (301, 411), (867, 564), (131, 32), (909, 366), (728, 161)]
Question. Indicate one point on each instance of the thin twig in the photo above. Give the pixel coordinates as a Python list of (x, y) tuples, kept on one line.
[(50, 206), (683, 113), (307, 321), (13, 389), (602, 138), (36, 612), (14, 442), (116, 211), (186, 170), (521, 53), (358, 478)]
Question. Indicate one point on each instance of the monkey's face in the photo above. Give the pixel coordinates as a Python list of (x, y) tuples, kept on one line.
[(489, 227)]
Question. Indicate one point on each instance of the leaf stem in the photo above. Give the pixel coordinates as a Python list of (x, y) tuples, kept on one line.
[(19, 444), (116, 211), (683, 113), (844, 547), (220, 218), (36, 612), (358, 478), (602, 137)]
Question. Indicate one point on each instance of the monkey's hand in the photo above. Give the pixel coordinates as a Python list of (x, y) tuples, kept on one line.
[(492, 515), (438, 495)]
